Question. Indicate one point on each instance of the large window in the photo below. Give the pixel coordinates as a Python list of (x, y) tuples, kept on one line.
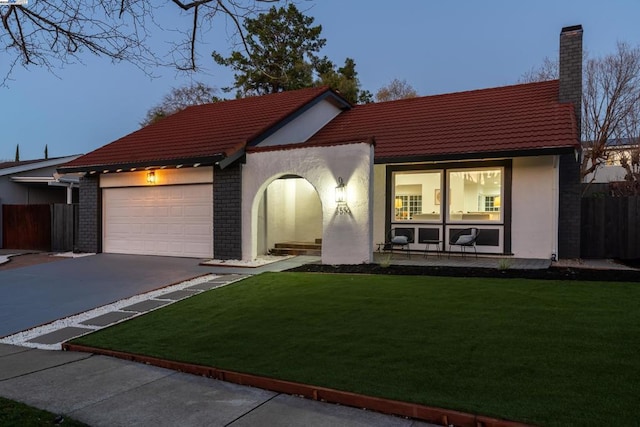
[(475, 194), (417, 196)]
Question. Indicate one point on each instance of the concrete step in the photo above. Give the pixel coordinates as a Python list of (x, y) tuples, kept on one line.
[(298, 245), (296, 251)]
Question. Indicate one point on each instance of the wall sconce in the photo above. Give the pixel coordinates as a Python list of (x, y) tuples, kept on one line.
[(151, 177), (341, 198), (496, 201), (398, 203)]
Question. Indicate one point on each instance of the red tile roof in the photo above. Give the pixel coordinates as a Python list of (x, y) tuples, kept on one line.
[(499, 120), (200, 131), (489, 122)]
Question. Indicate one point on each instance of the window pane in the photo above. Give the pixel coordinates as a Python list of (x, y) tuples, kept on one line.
[(475, 195), (417, 196)]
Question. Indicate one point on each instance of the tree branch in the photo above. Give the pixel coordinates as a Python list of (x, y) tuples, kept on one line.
[(51, 33)]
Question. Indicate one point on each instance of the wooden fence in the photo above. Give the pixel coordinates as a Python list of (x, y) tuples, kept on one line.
[(610, 227), (26, 227), (64, 227), (40, 227)]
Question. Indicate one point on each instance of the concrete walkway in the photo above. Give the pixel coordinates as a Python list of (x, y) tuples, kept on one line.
[(103, 391)]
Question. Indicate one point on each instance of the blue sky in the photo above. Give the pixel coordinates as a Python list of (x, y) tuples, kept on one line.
[(436, 46)]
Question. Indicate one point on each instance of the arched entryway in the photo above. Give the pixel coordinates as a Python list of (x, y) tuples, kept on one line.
[(346, 238), (289, 218)]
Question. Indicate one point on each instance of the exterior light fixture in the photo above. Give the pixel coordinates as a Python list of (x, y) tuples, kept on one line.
[(151, 177), (341, 198)]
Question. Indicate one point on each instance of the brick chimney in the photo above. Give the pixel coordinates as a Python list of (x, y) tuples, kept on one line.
[(570, 181), (570, 67)]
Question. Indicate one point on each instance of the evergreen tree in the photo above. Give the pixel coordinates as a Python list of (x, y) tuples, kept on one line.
[(282, 48), (17, 152)]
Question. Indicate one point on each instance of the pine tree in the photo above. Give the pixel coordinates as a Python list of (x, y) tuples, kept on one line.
[(17, 152)]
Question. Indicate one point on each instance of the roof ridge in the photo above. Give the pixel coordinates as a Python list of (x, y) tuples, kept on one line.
[(462, 92)]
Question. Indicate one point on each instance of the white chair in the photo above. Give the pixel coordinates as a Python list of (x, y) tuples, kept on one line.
[(465, 239), (401, 237)]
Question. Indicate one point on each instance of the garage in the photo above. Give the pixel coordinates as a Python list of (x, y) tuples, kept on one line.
[(172, 220)]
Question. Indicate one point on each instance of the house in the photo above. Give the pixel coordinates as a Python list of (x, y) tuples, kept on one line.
[(612, 170), (33, 182), (230, 179)]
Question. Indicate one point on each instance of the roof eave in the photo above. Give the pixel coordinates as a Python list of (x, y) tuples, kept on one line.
[(113, 167), (542, 151)]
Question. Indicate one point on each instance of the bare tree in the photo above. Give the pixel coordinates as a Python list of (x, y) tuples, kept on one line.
[(397, 89), (611, 98), (178, 99), (610, 102), (51, 33), (628, 154), (548, 70)]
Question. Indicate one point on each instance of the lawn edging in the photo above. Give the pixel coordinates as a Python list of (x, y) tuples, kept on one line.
[(446, 417)]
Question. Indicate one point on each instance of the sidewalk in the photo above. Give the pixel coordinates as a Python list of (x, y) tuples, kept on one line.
[(103, 391)]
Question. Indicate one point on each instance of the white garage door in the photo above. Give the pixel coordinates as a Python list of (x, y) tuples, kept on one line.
[(164, 220)]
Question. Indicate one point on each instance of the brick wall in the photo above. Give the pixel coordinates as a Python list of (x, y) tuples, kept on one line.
[(569, 207), (90, 215), (227, 213), (570, 65)]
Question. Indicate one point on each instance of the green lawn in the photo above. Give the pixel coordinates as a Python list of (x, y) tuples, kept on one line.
[(20, 415), (543, 352)]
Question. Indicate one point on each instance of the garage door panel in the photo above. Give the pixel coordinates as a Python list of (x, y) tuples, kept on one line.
[(163, 220)]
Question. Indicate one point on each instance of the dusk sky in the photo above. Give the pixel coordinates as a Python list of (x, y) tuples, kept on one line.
[(436, 46)]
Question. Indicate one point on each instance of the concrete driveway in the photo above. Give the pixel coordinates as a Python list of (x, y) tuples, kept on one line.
[(38, 294)]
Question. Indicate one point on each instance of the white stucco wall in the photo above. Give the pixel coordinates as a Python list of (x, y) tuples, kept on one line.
[(346, 239), (534, 207), (201, 175), (304, 126)]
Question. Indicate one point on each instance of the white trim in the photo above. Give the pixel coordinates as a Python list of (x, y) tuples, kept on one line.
[(33, 179)]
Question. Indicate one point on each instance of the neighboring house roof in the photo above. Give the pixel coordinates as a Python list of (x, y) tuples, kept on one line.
[(6, 165), (521, 119), (11, 168), (201, 134), (623, 143)]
